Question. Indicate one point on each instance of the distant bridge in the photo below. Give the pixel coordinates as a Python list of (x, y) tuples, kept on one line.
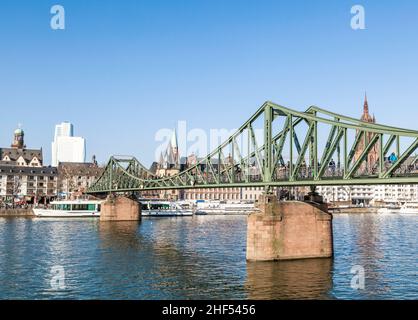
[(244, 161)]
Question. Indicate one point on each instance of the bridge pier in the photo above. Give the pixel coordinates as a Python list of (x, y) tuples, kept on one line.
[(120, 209), (289, 230)]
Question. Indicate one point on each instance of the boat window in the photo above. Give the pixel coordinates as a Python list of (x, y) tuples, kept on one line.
[(81, 207), (63, 207), (160, 206)]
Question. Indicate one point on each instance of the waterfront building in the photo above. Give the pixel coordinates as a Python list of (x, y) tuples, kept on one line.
[(369, 195), (212, 194), (395, 193), (75, 178), (66, 147), (204, 193), (29, 184), (356, 195), (22, 174)]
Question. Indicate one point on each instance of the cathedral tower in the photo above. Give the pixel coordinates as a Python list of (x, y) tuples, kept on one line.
[(371, 161)]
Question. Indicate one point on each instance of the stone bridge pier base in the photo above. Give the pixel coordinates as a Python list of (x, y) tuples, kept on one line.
[(120, 209), (289, 230)]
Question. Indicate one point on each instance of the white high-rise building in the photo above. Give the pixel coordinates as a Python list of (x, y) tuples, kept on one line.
[(66, 147), (64, 129)]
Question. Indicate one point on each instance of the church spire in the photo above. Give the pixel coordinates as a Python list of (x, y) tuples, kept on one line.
[(174, 143), (174, 149), (366, 115), (366, 105)]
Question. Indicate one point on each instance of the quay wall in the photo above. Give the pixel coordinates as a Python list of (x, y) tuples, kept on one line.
[(16, 213)]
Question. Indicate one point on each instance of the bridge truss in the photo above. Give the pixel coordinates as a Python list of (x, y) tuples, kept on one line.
[(280, 147)]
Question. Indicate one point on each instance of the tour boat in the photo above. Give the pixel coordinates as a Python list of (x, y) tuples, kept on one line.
[(390, 208), (409, 208), (70, 209), (224, 208), (156, 208)]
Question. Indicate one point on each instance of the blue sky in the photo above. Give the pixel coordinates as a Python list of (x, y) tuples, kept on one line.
[(122, 70)]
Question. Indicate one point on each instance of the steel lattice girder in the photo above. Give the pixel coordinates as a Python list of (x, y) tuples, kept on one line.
[(125, 174)]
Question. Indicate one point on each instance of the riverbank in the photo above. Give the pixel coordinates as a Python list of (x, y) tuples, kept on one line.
[(16, 213)]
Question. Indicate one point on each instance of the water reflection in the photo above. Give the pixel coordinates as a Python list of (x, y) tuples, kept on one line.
[(119, 234), (299, 279)]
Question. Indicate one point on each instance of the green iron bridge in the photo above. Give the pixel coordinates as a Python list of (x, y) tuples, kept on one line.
[(309, 141)]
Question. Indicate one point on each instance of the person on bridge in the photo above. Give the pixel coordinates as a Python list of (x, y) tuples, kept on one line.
[(393, 158), (332, 166)]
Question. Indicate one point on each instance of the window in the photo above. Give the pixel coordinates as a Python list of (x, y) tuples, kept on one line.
[(81, 207), (65, 207)]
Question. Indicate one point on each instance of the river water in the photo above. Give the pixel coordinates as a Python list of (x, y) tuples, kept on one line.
[(201, 257)]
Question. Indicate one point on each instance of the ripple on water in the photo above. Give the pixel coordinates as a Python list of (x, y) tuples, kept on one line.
[(200, 258)]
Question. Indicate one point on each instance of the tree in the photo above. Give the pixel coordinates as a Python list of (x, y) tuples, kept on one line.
[(17, 188), (66, 175)]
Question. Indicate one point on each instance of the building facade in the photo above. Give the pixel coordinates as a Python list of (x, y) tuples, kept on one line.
[(22, 174), (30, 185), (395, 193), (75, 178)]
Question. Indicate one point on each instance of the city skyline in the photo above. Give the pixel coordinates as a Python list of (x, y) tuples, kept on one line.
[(118, 83)]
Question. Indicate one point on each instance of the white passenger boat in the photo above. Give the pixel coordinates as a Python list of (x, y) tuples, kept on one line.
[(409, 208), (224, 208), (389, 208), (70, 209), (158, 208)]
